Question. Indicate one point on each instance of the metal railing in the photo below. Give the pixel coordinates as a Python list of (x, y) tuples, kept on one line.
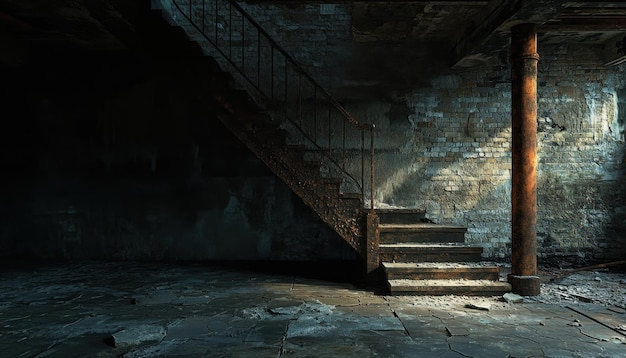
[(319, 119)]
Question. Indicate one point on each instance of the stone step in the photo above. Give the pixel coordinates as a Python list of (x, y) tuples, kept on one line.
[(440, 271), (421, 233), (400, 216), (452, 252), (448, 287)]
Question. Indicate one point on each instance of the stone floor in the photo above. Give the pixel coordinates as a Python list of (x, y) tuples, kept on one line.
[(126, 309)]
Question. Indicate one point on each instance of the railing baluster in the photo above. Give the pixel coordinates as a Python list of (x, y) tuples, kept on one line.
[(230, 30), (258, 62), (343, 145), (371, 169), (286, 87), (330, 115), (329, 125), (363, 164), (300, 98), (243, 43), (216, 22)]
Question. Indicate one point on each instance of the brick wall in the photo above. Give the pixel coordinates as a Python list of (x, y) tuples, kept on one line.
[(581, 145), (452, 155), (443, 142)]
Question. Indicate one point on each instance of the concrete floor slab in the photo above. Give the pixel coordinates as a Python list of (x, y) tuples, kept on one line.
[(76, 309)]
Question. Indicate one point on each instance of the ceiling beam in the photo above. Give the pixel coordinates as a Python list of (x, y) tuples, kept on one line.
[(580, 24), (618, 3), (593, 11), (492, 17), (490, 33)]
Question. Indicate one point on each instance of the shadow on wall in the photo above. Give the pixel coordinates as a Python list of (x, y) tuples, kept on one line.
[(124, 164), (381, 70)]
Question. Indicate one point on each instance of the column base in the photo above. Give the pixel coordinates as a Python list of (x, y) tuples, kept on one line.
[(525, 285)]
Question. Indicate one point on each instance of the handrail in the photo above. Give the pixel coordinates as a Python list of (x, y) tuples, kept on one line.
[(224, 41)]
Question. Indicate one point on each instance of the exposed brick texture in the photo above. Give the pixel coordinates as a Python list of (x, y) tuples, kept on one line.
[(444, 144)]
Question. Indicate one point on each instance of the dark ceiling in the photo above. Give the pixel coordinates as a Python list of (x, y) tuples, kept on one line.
[(470, 32)]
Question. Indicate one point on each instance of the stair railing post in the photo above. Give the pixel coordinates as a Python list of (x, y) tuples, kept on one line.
[(372, 168), (372, 230), (370, 254)]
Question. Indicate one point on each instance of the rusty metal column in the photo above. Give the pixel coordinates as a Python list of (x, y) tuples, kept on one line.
[(524, 58)]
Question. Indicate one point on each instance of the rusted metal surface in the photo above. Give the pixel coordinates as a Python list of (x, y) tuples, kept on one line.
[(525, 285), (373, 242), (524, 60)]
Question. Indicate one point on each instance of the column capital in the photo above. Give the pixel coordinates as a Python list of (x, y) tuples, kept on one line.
[(524, 42)]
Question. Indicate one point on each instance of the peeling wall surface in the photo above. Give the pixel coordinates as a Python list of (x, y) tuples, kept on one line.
[(446, 149), (455, 158)]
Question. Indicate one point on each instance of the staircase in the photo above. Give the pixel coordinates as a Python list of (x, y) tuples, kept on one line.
[(286, 119), (417, 257), (423, 258)]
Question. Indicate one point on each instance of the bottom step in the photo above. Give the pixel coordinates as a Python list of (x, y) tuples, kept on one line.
[(441, 271), (448, 287)]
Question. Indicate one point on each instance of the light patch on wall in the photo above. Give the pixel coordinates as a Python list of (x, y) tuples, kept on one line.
[(603, 118), (264, 245), (386, 189), (467, 188), (620, 111)]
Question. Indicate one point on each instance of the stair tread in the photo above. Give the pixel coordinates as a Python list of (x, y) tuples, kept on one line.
[(401, 210), (399, 283), (421, 227), (429, 245), (439, 265)]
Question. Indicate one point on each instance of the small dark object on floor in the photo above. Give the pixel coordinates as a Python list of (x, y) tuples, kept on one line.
[(426, 220)]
